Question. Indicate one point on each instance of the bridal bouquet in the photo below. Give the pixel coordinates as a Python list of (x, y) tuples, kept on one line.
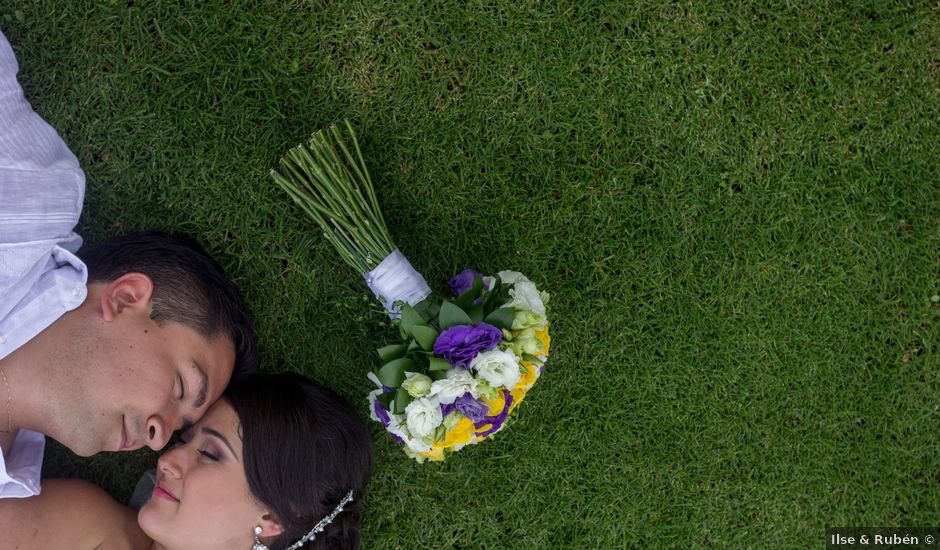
[(465, 361)]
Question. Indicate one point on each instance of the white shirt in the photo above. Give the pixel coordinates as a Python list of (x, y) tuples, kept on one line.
[(41, 193)]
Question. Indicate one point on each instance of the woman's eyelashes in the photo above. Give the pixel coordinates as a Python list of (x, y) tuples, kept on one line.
[(206, 450), (209, 454)]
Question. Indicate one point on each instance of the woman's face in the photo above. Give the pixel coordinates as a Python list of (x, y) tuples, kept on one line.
[(202, 499)]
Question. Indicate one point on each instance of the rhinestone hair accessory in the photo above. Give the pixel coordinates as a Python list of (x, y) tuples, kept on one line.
[(319, 527), (258, 545)]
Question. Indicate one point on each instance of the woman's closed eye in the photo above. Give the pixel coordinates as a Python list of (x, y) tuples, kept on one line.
[(206, 451), (209, 454)]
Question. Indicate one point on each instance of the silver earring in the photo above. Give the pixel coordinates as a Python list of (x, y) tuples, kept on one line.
[(258, 545)]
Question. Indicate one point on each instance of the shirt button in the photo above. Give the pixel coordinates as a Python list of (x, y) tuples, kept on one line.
[(3, 339)]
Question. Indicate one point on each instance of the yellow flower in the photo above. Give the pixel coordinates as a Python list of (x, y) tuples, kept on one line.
[(528, 377), (496, 406), (518, 395), (526, 382), (436, 454), (542, 336), (460, 435)]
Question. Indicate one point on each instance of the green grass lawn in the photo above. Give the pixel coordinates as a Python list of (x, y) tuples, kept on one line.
[(736, 209)]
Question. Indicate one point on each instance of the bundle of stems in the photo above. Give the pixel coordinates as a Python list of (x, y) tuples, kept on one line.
[(329, 180)]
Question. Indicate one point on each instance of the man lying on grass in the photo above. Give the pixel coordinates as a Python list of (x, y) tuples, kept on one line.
[(110, 348)]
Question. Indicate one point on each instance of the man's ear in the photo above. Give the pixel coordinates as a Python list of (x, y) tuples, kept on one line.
[(270, 526), (129, 291)]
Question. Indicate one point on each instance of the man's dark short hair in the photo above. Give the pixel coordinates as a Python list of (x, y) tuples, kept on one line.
[(189, 287)]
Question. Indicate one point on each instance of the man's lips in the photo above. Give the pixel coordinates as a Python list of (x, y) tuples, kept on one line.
[(128, 443), (162, 492), (123, 433)]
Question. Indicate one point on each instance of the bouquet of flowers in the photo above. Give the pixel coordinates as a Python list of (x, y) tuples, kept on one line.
[(464, 362)]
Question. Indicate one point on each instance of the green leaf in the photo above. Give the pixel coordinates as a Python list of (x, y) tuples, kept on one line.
[(438, 374), (386, 399), (392, 351), (428, 308), (425, 335), (499, 294), (532, 359), (401, 401), (476, 313), (393, 373), (438, 364), (452, 315), (477, 285), (501, 317), (494, 291), (411, 316), (410, 319), (465, 300)]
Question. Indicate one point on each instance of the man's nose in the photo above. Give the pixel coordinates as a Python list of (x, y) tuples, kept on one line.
[(158, 432)]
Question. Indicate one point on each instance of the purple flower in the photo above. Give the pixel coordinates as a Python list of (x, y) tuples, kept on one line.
[(447, 408), (497, 420), (383, 417), (472, 408), (461, 343), (381, 413), (463, 281)]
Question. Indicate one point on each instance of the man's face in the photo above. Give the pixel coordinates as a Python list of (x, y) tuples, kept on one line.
[(135, 382)]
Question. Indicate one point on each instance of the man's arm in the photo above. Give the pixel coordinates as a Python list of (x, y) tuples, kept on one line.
[(41, 193), (41, 182)]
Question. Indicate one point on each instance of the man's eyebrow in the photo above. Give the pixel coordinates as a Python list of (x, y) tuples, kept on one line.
[(214, 433), (203, 385)]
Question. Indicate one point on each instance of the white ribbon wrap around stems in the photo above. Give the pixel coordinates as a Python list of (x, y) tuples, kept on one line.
[(395, 280)]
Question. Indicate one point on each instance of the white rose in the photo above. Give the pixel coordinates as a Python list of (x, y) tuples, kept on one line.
[(499, 368), (399, 427), (423, 416), (372, 397), (457, 383), (511, 277), (526, 296), (416, 384)]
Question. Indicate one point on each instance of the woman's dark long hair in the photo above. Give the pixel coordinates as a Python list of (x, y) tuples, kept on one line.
[(304, 448)]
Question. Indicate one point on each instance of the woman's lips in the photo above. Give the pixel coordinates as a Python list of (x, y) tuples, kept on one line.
[(161, 492)]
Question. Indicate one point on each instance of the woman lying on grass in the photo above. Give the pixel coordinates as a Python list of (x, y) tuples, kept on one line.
[(277, 455)]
